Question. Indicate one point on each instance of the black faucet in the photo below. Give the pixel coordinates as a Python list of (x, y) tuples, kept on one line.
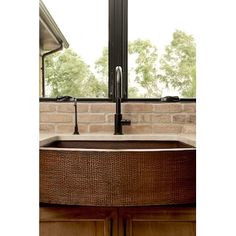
[(119, 122), (68, 99)]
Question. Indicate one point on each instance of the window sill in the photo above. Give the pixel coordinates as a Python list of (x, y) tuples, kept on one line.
[(147, 100)]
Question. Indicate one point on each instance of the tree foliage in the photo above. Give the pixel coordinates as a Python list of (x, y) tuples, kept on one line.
[(146, 72), (179, 64), (101, 65), (67, 74)]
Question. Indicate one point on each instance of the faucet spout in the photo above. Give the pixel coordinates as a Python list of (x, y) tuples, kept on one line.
[(119, 122), (118, 81)]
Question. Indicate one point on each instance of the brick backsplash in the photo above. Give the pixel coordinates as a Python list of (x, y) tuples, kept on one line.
[(146, 118)]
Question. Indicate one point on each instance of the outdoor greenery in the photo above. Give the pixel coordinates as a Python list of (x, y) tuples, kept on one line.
[(67, 74), (145, 69), (179, 64)]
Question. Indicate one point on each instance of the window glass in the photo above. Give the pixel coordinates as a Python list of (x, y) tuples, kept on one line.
[(161, 49), (82, 69)]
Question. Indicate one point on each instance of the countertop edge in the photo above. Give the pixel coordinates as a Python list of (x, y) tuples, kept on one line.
[(186, 138)]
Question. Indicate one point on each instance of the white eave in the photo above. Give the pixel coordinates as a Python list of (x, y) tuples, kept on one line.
[(51, 37)]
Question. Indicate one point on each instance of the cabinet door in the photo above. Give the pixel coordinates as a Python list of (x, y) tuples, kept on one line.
[(158, 221), (76, 221)]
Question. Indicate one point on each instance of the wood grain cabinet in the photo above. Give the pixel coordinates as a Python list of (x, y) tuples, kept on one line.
[(125, 221), (158, 221), (77, 221)]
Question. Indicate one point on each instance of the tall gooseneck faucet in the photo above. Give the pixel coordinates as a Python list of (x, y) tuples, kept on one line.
[(119, 122)]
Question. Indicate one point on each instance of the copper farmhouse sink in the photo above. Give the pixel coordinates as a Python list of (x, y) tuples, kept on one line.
[(117, 173)]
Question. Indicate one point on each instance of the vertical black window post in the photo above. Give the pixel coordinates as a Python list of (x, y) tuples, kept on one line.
[(118, 44), (125, 48)]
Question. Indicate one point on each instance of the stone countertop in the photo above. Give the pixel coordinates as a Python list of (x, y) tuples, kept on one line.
[(186, 138)]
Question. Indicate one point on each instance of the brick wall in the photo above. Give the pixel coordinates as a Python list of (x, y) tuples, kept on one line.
[(146, 118)]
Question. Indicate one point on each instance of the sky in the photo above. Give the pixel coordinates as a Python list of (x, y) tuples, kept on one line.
[(84, 23)]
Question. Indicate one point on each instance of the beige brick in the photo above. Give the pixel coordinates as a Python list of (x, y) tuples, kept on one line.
[(55, 118), (47, 107), (161, 108), (160, 118), (145, 118), (127, 116), (168, 129), (83, 128), (136, 107), (167, 107), (191, 119), (70, 108), (190, 108), (103, 108), (83, 107), (134, 117), (189, 129), (47, 128), (101, 128), (91, 117), (137, 129), (175, 107), (109, 118), (69, 128), (66, 107), (65, 128), (179, 119)]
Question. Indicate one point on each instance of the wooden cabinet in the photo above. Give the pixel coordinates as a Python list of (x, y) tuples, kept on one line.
[(125, 221), (77, 221), (158, 221)]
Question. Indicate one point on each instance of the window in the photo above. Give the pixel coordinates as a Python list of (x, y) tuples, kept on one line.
[(153, 42), (82, 69), (161, 49)]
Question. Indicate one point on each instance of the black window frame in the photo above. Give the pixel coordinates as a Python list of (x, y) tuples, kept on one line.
[(117, 56)]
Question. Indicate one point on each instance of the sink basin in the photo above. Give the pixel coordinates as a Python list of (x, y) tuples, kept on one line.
[(80, 144), (117, 172)]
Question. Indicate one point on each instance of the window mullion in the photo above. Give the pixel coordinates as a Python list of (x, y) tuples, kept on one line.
[(117, 43)]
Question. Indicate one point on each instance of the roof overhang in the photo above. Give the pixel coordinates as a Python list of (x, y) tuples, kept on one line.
[(51, 37)]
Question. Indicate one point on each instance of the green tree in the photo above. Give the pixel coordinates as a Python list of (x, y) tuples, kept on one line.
[(145, 68), (179, 64), (67, 74), (146, 71), (101, 65)]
